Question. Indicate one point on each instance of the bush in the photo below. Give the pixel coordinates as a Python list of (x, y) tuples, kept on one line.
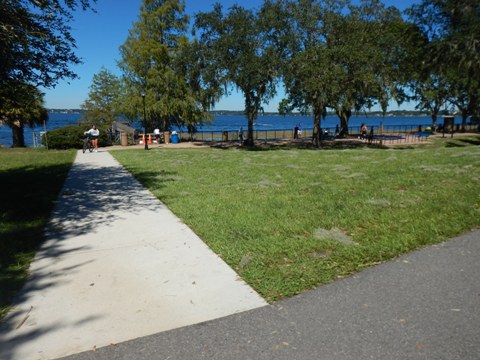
[(71, 137)]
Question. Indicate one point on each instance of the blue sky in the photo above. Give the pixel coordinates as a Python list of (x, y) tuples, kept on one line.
[(99, 36)]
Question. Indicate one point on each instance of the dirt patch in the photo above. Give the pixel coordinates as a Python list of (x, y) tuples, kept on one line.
[(334, 235)]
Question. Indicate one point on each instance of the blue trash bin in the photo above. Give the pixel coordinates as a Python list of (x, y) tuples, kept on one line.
[(174, 138)]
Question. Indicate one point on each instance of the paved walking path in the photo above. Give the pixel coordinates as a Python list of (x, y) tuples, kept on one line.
[(117, 265), (425, 305)]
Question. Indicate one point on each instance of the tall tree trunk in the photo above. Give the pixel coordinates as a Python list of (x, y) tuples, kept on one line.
[(434, 121), (437, 105), (344, 115), (317, 125), (464, 119), (18, 139), (251, 112), (250, 118)]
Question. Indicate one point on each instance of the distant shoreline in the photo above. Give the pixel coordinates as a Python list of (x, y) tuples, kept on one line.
[(404, 113)]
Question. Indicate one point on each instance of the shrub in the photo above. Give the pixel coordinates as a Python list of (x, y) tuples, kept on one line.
[(71, 137)]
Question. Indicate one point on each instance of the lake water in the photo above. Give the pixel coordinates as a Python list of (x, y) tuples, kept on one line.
[(234, 122)]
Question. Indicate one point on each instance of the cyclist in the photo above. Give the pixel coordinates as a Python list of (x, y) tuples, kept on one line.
[(93, 134)]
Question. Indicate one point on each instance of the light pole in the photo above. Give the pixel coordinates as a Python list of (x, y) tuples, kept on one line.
[(144, 122)]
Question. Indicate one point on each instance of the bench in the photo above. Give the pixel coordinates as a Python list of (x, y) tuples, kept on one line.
[(424, 134)]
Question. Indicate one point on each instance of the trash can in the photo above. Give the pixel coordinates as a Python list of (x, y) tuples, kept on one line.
[(166, 136), (174, 138), (123, 138)]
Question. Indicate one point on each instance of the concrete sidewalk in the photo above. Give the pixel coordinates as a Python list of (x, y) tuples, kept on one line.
[(425, 305), (117, 265)]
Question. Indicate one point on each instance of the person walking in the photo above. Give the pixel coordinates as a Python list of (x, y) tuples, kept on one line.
[(363, 131), (157, 135), (93, 134)]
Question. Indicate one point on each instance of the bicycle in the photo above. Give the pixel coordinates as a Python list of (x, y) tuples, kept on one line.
[(87, 144)]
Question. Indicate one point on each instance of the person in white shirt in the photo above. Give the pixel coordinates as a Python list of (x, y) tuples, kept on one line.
[(93, 133)]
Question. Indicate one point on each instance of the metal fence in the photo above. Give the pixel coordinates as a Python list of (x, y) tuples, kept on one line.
[(376, 134), (232, 135), (37, 138)]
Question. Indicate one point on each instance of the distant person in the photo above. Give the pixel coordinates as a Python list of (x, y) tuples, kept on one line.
[(363, 131), (157, 135), (93, 134), (299, 132), (337, 130), (240, 135), (370, 137), (295, 132)]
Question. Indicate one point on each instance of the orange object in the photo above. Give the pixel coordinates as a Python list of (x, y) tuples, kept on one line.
[(143, 139), (150, 139)]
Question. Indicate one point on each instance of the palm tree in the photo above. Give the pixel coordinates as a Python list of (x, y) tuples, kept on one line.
[(22, 104)]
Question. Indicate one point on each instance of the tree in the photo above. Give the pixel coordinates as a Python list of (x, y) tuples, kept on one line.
[(150, 62), (362, 48), (103, 102), (428, 84), (22, 104), (239, 51), (394, 38), (36, 48), (36, 42), (465, 95), (452, 28), (343, 57), (460, 47), (431, 94), (304, 70)]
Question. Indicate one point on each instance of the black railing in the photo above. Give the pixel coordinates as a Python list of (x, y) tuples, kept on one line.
[(385, 133)]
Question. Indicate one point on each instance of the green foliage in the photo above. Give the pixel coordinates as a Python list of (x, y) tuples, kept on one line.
[(32, 179), (21, 105), (238, 49), (343, 57), (36, 48), (36, 42), (67, 137), (103, 103), (152, 59), (452, 30), (71, 137), (270, 206)]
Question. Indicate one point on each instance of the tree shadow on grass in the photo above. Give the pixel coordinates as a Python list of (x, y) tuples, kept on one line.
[(339, 144), (471, 141), (26, 200), (90, 197), (50, 225)]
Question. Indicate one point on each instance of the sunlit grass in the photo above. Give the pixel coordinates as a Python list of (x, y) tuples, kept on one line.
[(261, 210)]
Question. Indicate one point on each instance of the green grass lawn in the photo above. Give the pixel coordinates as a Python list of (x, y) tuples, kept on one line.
[(285, 219), (30, 181), (290, 219)]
